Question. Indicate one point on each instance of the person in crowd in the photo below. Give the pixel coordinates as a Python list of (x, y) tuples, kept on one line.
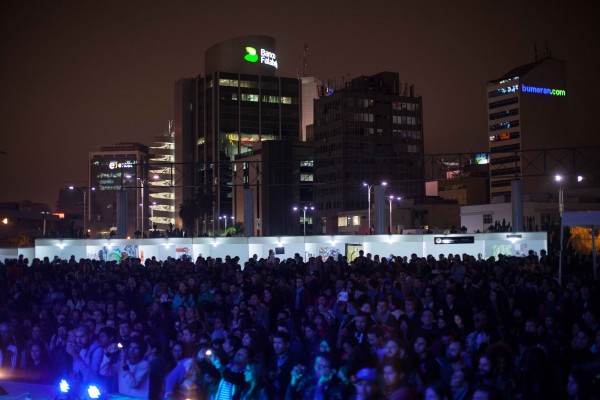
[(321, 384), (129, 368), (37, 367), (395, 386), (366, 386), (280, 366), (254, 387), (86, 354), (233, 377)]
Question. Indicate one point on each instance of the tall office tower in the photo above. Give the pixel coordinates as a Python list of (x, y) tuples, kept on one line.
[(369, 131), (527, 110), (119, 177), (163, 211), (239, 102)]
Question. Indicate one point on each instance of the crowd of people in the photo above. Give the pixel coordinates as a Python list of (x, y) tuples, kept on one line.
[(448, 327)]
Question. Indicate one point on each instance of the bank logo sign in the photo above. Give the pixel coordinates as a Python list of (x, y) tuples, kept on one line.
[(251, 55), (266, 57)]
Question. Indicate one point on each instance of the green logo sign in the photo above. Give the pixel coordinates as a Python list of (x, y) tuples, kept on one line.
[(251, 56)]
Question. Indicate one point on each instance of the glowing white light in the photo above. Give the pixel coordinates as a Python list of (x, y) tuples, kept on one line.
[(93, 392), (64, 386)]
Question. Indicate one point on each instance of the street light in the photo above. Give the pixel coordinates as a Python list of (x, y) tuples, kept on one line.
[(224, 218), (369, 187), (304, 210), (561, 207), (390, 199), (84, 190), (152, 212)]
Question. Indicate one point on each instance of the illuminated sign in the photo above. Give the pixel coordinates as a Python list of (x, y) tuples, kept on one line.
[(454, 240), (251, 55), (482, 158), (544, 91), (119, 165), (266, 57)]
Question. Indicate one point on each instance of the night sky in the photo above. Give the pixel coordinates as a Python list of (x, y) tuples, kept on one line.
[(80, 74)]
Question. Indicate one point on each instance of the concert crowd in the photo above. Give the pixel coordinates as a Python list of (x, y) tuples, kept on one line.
[(450, 326)]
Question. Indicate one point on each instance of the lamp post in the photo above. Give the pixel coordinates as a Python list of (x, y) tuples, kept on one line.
[(369, 187), (304, 210), (224, 218), (391, 199), (561, 207), (84, 190), (152, 213)]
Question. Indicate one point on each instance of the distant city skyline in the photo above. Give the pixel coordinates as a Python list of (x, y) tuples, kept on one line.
[(80, 75)]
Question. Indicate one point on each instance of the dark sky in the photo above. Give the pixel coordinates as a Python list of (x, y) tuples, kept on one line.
[(79, 74)]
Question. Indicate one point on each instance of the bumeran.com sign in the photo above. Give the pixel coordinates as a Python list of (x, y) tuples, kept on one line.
[(266, 57), (546, 91)]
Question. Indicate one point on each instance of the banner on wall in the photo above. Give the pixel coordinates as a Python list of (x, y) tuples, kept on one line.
[(352, 250), (180, 252), (118, 253), (328, 251)]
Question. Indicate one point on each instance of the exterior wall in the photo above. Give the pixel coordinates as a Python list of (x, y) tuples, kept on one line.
[(309, 246), (109, 171), (232, 56), (534, 117), (370, 131)]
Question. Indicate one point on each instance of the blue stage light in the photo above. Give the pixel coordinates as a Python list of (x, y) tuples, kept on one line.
[(64, 386), (94, 392)]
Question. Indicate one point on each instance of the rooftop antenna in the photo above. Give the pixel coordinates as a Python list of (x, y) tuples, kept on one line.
[(305, 61)]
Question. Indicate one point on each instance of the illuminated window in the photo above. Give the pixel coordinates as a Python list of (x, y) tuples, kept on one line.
[(249, 97), (270, 99), (248, 84), (504, 125), (306, 177), (228, 82), (349, 221)]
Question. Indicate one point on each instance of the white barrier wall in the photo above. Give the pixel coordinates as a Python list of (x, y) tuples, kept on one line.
[(487, 244)]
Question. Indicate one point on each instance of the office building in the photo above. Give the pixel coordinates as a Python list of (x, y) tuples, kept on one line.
[(279, 174), (527, 110), (239, 102), (119, 178), (369, 131)]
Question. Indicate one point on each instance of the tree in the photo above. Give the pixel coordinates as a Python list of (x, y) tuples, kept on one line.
[(189, 211), (581, 240), (205, 200)]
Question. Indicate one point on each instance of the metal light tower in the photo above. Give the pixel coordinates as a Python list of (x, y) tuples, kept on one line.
[(369, 187), (304, 210)]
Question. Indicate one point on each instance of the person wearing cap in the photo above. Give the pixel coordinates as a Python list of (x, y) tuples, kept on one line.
[(365, 385)]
